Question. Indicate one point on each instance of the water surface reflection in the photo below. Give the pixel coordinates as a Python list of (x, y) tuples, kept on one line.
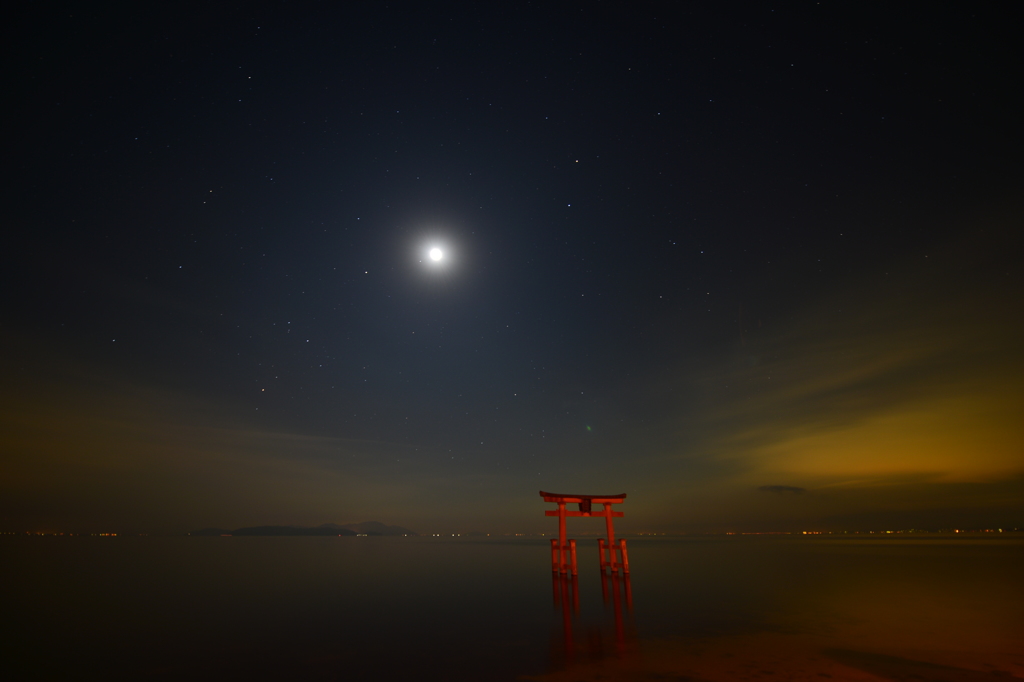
[(712, 608), (847, 609), (610, 635)]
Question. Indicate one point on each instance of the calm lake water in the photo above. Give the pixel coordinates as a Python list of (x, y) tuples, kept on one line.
[(375, 608)]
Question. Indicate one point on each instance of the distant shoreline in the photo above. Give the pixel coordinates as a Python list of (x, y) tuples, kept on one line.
[(367, 528)]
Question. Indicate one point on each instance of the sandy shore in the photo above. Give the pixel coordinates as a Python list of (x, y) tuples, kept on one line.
[(782, 656)]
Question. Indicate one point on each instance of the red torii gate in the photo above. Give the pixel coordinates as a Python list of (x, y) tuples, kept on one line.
[(559, 547)]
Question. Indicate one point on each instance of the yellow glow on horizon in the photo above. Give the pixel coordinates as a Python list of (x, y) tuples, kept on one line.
[(948, 439)]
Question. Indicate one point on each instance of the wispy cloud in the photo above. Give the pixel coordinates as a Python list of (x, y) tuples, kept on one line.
[(908, 381)]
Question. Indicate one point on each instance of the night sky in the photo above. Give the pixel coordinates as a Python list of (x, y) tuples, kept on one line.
[(757, 266)]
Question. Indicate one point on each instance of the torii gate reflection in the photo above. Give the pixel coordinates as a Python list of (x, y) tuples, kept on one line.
[(615, 592), (560, 562)]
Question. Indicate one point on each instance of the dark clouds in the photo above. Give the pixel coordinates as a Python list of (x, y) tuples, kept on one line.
[(782, 489)]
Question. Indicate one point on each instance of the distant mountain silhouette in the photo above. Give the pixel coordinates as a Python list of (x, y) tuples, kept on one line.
[(273, 530), (364, 528)]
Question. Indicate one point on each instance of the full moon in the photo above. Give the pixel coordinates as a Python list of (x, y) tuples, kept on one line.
[(435, 254)]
